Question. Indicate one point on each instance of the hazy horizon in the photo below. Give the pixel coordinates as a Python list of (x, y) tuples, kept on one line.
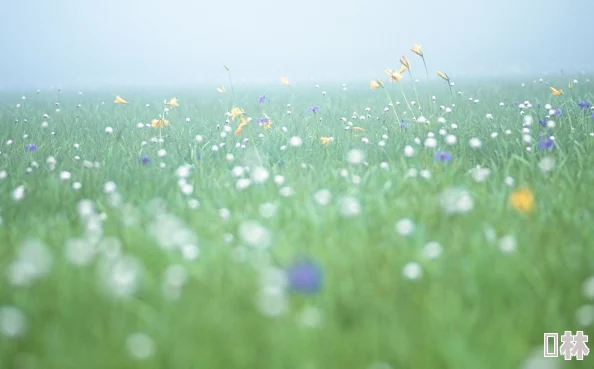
[(135, 43)]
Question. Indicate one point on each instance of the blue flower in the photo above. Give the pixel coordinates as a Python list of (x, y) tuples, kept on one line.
[(543, 122), (558, 113), (144, 159), (30, 147), (313, 109), (584, 105), (198, 156), (443, 156), (546, 143), (404, 124), (305, 276), (263, 98), (262, 121)]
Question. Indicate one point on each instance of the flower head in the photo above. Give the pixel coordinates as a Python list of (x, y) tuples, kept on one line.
[(546, 143), (326, 140), (30, 147), (119, 100), (443, 156), (543, 122), (417, 49), (558, 112), (394, 75), (584, 105), (522, 200), (443, 75), (556, 92), (313, 109), (145, 159), (376, 83), (405, 63), (222, 89), (285, 81), (264, 122), (173, 103), (242, 123), (263, 98), (404, 124), (159, 123), (305, 276), (236, 112)]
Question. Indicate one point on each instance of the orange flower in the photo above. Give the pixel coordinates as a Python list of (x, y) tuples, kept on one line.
[(159, 123), (394, 76), (242, 123), (173, 103), (119, 100), (376, 83), (417, 49), (326, 140), (443, 75), (556, 92), (522, 200)]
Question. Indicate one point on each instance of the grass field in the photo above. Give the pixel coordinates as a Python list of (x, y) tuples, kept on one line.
[(396, 245)]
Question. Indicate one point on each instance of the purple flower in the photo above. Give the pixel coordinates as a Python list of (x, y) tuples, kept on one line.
[(305, 276), (584, 105), (538, 105), (558, 113), (198, 156), (263, 98), (546, 143), (313, 109), (404, 124), (543, 122), (262, 121), (443, 156), (30, 147), (145, 159)]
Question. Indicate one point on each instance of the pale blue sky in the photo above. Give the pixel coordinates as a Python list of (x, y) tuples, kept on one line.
[(66, 42)]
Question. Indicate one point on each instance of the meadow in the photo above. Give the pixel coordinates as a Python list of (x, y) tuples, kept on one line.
[(297, 226)]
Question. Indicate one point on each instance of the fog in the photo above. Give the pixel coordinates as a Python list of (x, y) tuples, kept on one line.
[(149, 42)]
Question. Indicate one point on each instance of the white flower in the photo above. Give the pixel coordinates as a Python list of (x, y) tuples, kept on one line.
[(108, 130), (475, 143), (65, 176), (18, 193)]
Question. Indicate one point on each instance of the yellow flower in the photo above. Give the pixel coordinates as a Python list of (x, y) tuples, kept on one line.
[(268, 123), (417, 49), (159, 123), (326, 140), (236, 112), (405, 62), (285, 80), (394, 76), (403, 69), (376, 83), (172, 103), (242, 123), (119, 100), (522, 200), (226, 66), (222, 89), (443, 75), (569, 85), (556, 92), (358, 129)]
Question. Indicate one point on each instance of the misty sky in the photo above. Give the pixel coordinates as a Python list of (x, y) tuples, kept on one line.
[(86, 42)]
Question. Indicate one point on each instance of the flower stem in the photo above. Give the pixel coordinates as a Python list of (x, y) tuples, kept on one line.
[(428, 85)]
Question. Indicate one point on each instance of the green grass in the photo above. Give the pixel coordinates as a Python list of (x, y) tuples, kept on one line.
[(473, 307)]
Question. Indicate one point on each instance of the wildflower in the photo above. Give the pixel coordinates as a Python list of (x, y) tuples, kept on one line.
[(144, 159), (556, 92), (543, 122), (394, 75), (313, 109), (222, 89), (443, 156), (305, 276), (417, 50), (326, 140), (30, 147), (236, 112), (546, 143), (263, 98), (404, 124), (264, 122), (443, 75), (376, 83), (242, 123), (558, 113), (405, 63), (119, 100), (285, 81), (173, 103), (522, 200), (159, 123), (584, 105)]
